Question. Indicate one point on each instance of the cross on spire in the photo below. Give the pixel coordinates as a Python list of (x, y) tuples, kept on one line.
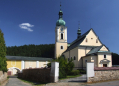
[(60, 5)]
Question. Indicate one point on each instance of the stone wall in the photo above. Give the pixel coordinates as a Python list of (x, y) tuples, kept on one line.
[(104, 74), (3, 77), (36, 74)]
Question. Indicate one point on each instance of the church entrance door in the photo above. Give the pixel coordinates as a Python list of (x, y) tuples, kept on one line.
[(104, 65)]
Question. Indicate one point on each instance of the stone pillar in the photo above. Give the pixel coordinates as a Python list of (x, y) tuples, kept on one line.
[(46, 64), (54, 74), (37, 64), (22, 65), (90, 70)]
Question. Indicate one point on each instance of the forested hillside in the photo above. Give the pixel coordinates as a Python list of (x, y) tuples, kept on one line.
[(43, 50), (115, 59)]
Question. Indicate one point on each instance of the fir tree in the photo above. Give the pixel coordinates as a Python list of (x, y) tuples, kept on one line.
[(3, 63)]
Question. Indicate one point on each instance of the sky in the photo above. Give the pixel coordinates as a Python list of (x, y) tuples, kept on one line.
[(34, 21)]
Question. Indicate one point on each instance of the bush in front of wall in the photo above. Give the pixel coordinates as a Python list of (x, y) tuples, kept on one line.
[(82, 71), (65, 67), (75, 72)]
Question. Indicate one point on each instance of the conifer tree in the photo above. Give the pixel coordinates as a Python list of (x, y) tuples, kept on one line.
[(3, 63)]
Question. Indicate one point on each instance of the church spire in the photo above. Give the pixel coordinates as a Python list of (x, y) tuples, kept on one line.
[(60, 5), (60, 21), (78, 31), (60, 12)]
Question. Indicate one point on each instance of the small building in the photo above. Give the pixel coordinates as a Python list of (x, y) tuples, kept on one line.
[(86, 48), (18, 63)]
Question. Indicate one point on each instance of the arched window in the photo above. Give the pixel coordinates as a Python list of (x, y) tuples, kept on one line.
[(86, 40), (71, 58), (61, 47), (61, 35), (68, 59), (74, 58), (85, 61), (96, 40), (104, 56)]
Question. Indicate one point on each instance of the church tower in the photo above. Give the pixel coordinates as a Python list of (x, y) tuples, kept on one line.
[(60, 35)]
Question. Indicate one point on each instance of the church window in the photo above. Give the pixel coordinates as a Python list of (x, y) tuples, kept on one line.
[(61, 35), (104, 56), (85, 61), (74, 58), (68, 59), (61, 47), (96, 40), (86, 40), (71, 58)]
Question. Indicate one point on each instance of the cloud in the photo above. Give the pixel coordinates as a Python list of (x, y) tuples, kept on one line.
[(26, 26)]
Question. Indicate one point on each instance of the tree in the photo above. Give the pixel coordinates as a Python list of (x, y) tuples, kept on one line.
[(65, 67), (115, 59), (3, 63)]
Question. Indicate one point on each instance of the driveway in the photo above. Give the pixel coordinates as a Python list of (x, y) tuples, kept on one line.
[(81, 81), (13, 81), (77, 79)]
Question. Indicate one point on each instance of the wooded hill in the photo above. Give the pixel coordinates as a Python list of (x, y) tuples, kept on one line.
[(43, 50), (115, 59)]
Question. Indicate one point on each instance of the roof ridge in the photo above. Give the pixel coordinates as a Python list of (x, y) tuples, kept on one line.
[(80, 37)]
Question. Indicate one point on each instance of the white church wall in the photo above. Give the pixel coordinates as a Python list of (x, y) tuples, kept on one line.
[(81, 53), (101, 57), (91, 40), (85, 60), (66, 54), (95, 60), (74, 52), (103, 49)]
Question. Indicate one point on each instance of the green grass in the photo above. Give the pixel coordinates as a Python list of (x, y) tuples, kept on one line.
[(70, 76), (33, 83), (7, 77)]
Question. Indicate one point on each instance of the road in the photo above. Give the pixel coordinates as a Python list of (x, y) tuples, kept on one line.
[(14, 81), (78, 81)]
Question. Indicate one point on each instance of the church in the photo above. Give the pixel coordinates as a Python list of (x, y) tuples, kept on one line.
[(86, 48)]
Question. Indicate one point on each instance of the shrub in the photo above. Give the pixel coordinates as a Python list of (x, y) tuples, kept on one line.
[(75, 72), (82, 71), (65, 67)]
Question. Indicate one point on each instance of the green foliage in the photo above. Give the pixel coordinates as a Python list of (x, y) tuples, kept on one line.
[(75, 72), (82, 71), (46, 50), (65, 67), (115, 59), (3, 63)]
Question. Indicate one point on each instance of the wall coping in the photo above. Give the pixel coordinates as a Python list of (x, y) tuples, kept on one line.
[(105, 68)]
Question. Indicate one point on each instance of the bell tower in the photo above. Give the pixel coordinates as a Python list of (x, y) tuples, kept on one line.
[(60, 35)]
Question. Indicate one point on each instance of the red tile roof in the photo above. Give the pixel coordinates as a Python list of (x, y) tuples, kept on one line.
[(106, 68)]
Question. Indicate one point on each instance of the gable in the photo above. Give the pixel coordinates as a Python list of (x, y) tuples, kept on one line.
[(103, 49), (91, 39)]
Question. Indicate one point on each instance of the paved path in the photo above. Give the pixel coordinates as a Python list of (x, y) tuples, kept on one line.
[(13, 81), (108, 83), (77, 79)]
